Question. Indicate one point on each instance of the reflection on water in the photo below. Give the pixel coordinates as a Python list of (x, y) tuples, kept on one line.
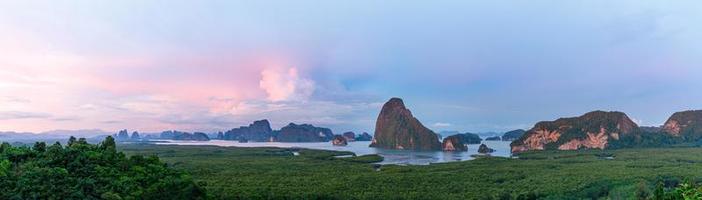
[(402, 157)]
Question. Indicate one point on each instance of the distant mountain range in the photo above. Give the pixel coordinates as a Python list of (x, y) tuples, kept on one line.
[(397, 128), (54, 134), (259, 131)]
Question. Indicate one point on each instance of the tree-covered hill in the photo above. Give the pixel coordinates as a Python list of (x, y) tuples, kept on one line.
[(80, 170)]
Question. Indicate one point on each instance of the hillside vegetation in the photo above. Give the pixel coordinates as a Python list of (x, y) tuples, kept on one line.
[(84, 171), (275, 173)]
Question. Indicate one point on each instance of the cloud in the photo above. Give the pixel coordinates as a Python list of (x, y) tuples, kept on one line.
[(286, 85), (11, 99), (356, 116), (9, 115), (637, 121), (171, 77), (88, 106), (441, 124), (69, 118)]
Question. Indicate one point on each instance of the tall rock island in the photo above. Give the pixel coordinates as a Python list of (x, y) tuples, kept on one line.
[(396, 128)]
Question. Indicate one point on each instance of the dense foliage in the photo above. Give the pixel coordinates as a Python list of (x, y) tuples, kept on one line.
[(86, 171), (686, 191), (272, 173)]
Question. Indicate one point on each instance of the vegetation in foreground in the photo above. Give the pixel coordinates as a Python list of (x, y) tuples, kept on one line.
[(274, 173), (85, 171)]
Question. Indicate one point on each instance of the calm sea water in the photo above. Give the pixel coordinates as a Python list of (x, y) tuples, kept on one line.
[(402, 157)]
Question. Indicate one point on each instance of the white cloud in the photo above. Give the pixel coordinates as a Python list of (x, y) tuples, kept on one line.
[(441, 124), (637, 121), (9, 115), (88, 106), (285, 85), (338, 116)]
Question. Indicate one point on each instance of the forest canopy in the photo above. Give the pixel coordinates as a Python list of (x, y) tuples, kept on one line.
[(80, 170)]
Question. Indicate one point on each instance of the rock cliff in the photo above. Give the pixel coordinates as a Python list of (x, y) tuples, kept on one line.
[(513, 135), (178, 135), (453, 143), (303, 133), (493, 138), (258, 131), (484, 149), (396, 128), (123, 135), (350, 136), (594, 130), (135, 136), (339, 140), (470, 138), (364, 137), (686, 125)]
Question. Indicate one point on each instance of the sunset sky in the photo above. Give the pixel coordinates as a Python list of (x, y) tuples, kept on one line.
[(459, 65)]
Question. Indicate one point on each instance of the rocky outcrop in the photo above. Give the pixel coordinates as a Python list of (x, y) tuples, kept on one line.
[(513, 135), (594, 130), (167, 134), (339, 140), (470, 138), (493, 138), (350, 136), (178, 135), (686, 125), (198, 136), (259, 131), (444, 134), (396, 128), (484, 149), (135, 136), (303, 133), (364, 137), (453, 143), (122, 135)]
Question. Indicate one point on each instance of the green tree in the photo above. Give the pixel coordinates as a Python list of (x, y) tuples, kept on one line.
[(659, 192), (642, 192), (40, 146), (4, 167), (71, 140), (108, 144), (85, 171)]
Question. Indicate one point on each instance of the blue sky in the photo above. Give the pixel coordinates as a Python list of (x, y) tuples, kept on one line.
[(459, 65)]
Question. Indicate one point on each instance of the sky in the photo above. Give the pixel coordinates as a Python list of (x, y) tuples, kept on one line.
[(474, 66)]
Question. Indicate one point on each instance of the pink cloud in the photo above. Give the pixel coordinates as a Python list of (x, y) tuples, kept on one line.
[(281, 84), (148, 91)]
